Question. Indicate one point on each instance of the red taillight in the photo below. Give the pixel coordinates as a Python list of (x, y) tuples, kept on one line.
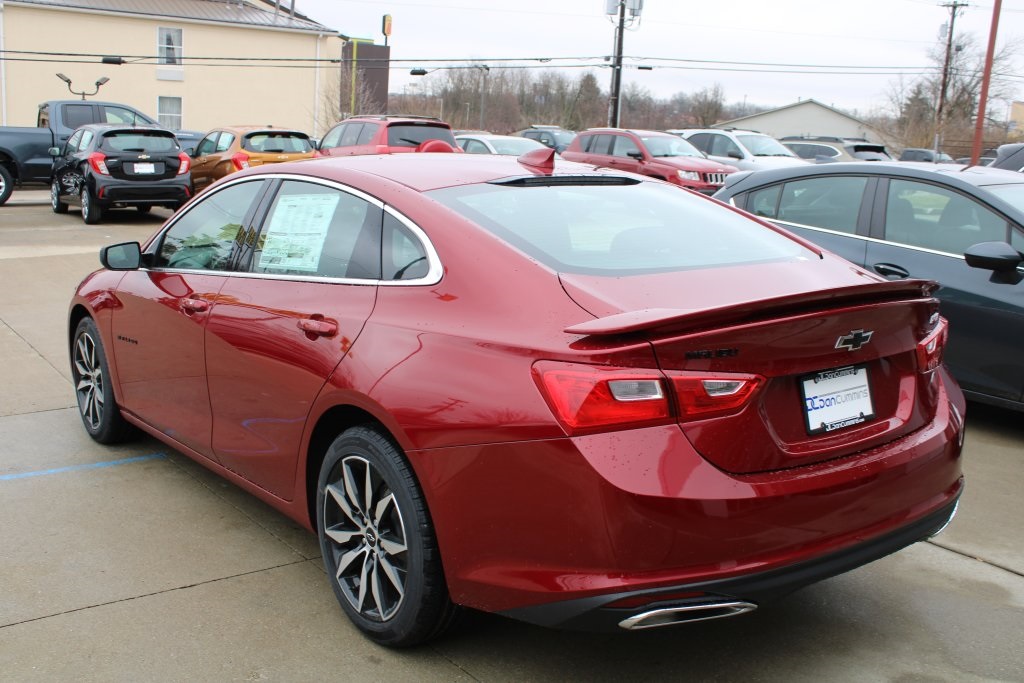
[(589, 398), (929, 349), (240, 161), (98, 161), (711, 394), (184, 163)]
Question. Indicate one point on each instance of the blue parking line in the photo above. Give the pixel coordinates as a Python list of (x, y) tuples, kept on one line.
[(76, 468)]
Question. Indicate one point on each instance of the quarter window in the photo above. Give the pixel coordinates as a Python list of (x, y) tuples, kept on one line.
[(73, 141), (404, 257), (320, 231), (350, 135), (923, 215), (209, 236)]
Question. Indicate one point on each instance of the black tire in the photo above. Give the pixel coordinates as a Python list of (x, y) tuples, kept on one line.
[(6, 184), (143, 208), (91, 211), (55, 203), (96, 404), (391, 584)]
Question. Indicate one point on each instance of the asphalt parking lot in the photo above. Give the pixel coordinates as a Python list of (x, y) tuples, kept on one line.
[(136, 564)]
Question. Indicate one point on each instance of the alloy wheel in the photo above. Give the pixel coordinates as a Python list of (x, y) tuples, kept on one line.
[(366, 538), (88, 380)]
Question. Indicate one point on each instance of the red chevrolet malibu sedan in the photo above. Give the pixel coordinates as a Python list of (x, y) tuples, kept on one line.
[(581, 398)]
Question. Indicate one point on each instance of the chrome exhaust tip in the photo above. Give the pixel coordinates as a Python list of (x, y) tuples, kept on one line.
[(669, 616)]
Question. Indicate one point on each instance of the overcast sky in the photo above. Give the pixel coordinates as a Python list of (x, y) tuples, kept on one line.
[(867, 37)]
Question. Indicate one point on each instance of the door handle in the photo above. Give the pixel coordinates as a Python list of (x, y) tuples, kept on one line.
[(891, 271), (318, 328), (195, 305)]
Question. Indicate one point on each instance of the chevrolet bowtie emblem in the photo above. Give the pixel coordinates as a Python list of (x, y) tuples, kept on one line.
[(854, 340)]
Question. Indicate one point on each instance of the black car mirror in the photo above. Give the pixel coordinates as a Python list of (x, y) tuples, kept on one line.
[(999, 257), (639, 156), (125, 256), (733, 154)]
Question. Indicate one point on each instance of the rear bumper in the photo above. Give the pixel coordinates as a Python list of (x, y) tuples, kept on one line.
[(613, 611), (568, 525), (133, 193)]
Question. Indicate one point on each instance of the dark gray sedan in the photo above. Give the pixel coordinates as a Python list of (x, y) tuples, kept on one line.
[(960, 226)]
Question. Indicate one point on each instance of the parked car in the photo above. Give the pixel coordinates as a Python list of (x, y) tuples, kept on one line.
[(825, 149), (1010, 157), (24, 151), (555, 137), (659, 155), (386, 135), (486, 143), (104, 167), (516, 385), (940, 222), (226, 150), (982, 160), (746, 149), (928, 155)]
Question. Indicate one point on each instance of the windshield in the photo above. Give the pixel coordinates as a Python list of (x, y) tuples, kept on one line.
[(670, 146), (1012, 194), (412, 135), (514, 146), (617, 230), (764, 146)]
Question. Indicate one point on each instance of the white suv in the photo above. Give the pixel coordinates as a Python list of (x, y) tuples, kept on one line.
[(746, 149)]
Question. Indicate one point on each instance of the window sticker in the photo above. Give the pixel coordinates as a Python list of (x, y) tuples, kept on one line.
[(297, 232)]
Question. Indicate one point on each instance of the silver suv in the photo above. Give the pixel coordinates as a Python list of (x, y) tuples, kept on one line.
[(746, 149)]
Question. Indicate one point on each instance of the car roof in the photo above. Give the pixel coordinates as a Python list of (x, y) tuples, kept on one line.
[(487, 136), (394, 118), (105, 127), (427, 171), (634, 131), (260, 129)]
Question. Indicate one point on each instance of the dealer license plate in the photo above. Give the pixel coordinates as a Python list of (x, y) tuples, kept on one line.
[(145, 168), (836, 399)]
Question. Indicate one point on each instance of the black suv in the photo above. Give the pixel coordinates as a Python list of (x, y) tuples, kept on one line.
[(105, 166)]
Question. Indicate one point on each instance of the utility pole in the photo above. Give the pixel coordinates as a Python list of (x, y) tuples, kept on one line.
[(979, 125), (953, 7), (613, 101)]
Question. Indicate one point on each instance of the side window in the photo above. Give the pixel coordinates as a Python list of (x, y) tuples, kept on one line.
[(829, 202), (332, 137), (701, 141), (602, 144), (350, 136), (72, 144), (112, 114), (721, 146), (76, 115), (209, 236), (87, 136), (1017, 239), (207, 145), (367, 133), (404, 255), (224, 142), (475, 147), (764, 202), (624, 146), (320, 231), (923, 215)]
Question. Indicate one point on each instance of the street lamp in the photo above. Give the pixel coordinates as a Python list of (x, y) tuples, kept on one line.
[(99, 83)]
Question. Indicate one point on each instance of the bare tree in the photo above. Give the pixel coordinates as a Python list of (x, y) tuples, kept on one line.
[(707, 105)]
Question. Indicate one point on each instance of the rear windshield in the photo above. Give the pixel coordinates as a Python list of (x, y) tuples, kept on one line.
[(152, 142), (280, 142), (619, 229), (410, 135)]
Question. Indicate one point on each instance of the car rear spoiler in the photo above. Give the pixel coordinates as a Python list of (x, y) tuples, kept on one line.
[(679, 320)]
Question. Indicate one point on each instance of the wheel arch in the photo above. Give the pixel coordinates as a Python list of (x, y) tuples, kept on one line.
[(329, 426), (75, 316)]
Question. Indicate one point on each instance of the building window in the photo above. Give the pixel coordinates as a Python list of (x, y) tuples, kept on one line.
[(168, 111), (168, 46)]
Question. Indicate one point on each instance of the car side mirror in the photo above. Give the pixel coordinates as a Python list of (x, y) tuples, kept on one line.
[(733, 154), (999, 257), (54, 151), (639, 156), (124, 256)]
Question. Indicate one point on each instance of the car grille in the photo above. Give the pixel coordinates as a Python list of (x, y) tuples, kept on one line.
[(715, 178)]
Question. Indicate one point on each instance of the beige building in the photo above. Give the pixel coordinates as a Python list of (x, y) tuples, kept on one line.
[(807, 118), (193, 64)]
